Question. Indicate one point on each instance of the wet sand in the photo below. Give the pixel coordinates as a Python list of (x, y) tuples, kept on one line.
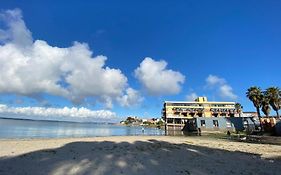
[(134, 155)]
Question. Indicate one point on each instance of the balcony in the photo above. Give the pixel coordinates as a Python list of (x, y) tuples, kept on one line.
[(188, 110), (216, 110)]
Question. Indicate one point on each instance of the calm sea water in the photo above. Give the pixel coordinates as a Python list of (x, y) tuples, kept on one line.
[(10, 128)]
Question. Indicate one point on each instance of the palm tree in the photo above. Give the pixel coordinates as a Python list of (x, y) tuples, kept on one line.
[(274, 94), (265, 106), (238, 108), (255, 95)]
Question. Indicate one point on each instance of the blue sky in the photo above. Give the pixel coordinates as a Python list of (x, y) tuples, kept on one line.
[(185, 48)]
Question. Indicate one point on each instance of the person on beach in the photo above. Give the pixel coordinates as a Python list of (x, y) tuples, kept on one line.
[(228, 134), (199, 131)]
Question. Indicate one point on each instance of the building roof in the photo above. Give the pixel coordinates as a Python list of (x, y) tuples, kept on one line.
[(196, 102)]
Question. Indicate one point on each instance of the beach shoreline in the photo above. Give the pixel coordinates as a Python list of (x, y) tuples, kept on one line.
[(137, 155)]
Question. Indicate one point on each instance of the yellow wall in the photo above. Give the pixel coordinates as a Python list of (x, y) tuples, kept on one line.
[(204, 104)]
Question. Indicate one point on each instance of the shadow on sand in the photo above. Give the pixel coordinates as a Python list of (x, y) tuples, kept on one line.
[(152, 157)]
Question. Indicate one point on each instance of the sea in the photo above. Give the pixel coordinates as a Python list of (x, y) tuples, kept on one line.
[(24, 129)]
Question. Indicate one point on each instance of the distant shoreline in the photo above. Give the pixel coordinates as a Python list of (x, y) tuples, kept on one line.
[(26, 119)]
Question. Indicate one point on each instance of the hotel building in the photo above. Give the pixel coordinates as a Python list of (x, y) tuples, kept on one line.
[(200, 113)]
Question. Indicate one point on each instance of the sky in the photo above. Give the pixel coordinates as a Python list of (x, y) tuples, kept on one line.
[(105, 60)]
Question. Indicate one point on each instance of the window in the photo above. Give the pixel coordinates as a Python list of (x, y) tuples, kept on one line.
[(245, 123), (215, 123), (169, 120), (228, 124), (203, 123), (215, 114)]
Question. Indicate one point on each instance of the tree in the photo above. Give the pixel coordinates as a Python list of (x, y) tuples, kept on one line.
[(274, 94), (265, 106), (255, 95), (238, 108)]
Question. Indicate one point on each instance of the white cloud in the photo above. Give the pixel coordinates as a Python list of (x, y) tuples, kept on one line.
[(31, 67), (62, 114), (224, 89), (213, 80), (156, 79), (131, 98), (16, 32), (191, 97)]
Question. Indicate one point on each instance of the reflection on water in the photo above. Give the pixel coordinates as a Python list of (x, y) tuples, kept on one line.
[(174, 133), (10, 128)]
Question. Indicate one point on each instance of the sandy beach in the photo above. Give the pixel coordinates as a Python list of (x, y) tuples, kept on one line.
[(134, 155)]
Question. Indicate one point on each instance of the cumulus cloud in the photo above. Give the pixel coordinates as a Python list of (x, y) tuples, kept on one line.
[(157, 79), (213, 80), (191, 97), (16, 31), (224, 89), (62, 114), (227, 91), (31, 67), (131, 98)]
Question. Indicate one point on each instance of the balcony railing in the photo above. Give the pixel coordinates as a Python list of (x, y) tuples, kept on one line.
[(189, 110), (214, 110)]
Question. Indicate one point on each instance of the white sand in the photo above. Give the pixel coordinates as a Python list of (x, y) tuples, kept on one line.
[(137, 155)]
